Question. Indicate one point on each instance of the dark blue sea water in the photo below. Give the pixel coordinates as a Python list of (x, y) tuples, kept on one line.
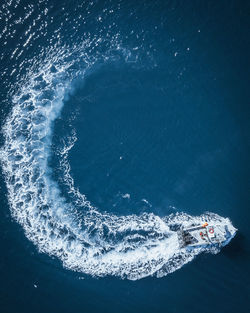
[(120, 119)]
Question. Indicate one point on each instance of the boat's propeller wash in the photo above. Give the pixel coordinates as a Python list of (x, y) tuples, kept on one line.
[(84, 239)]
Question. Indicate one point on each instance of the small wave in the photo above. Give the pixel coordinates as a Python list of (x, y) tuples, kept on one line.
[(94, 243)]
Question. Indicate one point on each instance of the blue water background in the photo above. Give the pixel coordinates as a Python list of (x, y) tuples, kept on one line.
[(174, 132)]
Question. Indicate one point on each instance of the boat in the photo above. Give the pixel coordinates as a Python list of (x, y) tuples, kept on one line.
[(205, 235)]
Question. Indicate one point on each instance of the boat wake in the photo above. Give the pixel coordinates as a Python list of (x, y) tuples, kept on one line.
[(84, 239)]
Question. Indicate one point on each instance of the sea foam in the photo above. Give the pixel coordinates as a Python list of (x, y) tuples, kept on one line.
[(93, 243)]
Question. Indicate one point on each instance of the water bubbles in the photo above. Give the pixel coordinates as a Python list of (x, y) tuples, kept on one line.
[(87, 241)]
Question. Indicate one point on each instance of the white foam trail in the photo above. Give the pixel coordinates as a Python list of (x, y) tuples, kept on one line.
[(93, 243), (79, 199)]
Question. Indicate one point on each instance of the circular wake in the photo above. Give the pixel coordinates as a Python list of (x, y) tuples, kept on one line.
[(90, 242)]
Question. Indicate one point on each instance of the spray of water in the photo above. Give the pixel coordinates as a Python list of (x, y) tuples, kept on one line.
[(94, 243)]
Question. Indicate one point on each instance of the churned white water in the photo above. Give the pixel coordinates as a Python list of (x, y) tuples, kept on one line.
[(91, 242)]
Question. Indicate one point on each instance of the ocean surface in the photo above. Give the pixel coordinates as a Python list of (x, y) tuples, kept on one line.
[(120, 121)]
